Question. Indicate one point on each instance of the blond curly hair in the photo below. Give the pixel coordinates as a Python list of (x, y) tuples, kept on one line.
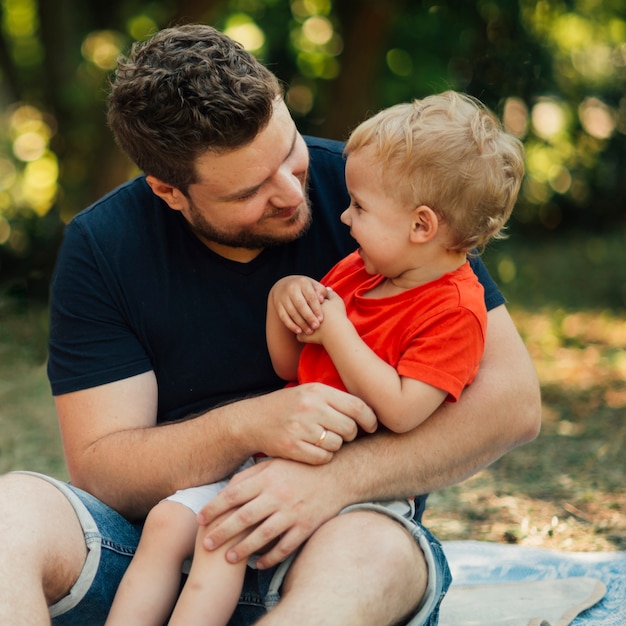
[(449, 152)]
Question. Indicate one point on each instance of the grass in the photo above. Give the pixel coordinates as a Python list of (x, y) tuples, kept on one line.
[(29, 434), (564, 491)]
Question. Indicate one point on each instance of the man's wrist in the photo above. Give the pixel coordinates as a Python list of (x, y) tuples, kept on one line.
[(240, 421)]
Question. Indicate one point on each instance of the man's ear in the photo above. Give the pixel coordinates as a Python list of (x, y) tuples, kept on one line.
[(174, 198), (424, 224)]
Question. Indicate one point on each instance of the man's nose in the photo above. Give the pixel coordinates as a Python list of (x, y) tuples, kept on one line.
[(289, 191)]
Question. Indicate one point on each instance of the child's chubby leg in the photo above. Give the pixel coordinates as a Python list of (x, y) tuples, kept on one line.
[(149, 587), (213, 587)]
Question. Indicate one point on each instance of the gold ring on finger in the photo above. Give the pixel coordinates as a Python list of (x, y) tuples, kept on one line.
[(322, 437)]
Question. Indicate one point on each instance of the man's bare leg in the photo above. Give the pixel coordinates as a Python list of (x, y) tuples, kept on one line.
[(359, 568), (42, 549)]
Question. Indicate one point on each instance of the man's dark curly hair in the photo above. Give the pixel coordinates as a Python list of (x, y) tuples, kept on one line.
[(185, 91)]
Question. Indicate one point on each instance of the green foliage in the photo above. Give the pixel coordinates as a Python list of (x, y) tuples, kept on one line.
[(574, 272), (554, 71)]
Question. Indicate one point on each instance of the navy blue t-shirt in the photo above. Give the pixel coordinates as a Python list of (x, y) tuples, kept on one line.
[(135, 290)]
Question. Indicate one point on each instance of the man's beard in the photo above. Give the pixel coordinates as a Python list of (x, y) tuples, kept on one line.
[(247, 238)]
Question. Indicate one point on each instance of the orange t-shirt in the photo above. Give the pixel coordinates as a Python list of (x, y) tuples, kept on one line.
[(434, 333)]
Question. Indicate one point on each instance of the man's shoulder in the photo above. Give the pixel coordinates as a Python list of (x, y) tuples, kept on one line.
[(327, 165), (133, 192), (126, 208), (326, 154), (320, 145)]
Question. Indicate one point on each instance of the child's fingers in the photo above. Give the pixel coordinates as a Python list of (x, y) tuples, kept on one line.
[(305, 307), (291, 315)]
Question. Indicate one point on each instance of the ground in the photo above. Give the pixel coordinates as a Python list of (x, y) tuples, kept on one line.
[(565, 490)]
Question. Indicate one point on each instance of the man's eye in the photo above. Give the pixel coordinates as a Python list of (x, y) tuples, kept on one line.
[(248, 195)]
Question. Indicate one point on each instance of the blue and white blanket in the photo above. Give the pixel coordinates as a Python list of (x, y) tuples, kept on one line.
[(572, 581)]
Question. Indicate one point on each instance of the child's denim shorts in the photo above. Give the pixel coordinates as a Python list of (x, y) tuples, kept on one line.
[(111, 542)]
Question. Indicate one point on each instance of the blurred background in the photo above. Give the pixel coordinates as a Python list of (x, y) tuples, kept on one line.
[(553, 70)]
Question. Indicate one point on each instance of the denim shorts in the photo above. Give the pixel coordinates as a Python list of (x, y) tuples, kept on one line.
[(111, 543)]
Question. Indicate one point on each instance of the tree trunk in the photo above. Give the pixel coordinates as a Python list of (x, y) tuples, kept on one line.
[(353, 95)]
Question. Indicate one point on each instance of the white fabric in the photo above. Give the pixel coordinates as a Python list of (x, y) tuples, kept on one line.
[(539, 603), (195, 498)]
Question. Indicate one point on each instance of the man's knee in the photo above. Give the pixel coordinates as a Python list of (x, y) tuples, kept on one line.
[(385, 544), (372, 550), (362, 567), (40, 533)]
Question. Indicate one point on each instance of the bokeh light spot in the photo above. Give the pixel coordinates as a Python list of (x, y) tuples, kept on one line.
[(29, 146), (102, 48), (515, 117), (141, 26), (318, 30), (597, 118), (300, 99), (399, 62), (242, 28), (5, 230), (507, 270), (548, 118)]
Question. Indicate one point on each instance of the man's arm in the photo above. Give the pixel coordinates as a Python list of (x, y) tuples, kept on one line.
[(499, 411), (114, 450)]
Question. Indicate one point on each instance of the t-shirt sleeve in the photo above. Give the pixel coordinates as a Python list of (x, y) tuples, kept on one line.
[(446, 351), (91, 343), (493, 296)]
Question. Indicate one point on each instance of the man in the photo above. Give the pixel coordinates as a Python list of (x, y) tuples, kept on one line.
[(158, 313)]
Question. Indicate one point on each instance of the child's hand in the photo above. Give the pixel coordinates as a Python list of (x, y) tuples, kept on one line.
[(334, 311), (298, 302)]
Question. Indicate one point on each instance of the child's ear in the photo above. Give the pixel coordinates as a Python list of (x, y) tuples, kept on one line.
[(424, 224)]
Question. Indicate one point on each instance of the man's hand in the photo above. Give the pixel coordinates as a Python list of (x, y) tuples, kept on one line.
[(276, 501)]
